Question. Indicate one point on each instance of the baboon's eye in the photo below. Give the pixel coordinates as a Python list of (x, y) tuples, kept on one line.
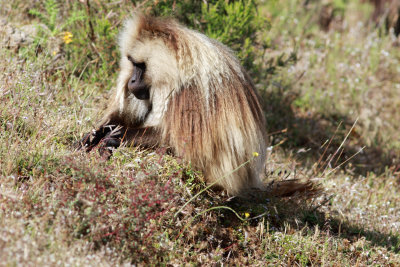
[(140, 65), (130, 58), (135, 63)]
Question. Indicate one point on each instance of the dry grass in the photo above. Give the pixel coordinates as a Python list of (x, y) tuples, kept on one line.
[(62, 207)]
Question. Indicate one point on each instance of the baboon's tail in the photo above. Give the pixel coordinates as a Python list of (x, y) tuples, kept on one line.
[(292, 187), (288, 188)]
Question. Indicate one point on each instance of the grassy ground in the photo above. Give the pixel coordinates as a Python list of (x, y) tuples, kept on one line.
[(331, 102)]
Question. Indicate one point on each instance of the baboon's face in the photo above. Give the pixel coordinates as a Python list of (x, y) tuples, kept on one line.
[(149, 76), (150, 67), (136, 84)]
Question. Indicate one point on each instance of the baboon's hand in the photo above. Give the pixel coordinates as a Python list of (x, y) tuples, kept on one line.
[(105, 138)]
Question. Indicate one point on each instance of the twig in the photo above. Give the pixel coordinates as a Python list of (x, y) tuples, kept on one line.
[(337, 150)]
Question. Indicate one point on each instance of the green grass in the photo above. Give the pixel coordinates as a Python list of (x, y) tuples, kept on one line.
[(63, 207)]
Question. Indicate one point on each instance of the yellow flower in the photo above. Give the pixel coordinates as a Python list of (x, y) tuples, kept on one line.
[(67, 37), (255, 154), (246, 214)]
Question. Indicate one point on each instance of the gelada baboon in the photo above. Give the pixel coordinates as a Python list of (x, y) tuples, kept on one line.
[(179, 89)]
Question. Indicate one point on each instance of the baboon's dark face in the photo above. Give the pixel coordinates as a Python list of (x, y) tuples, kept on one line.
[(136, 84)]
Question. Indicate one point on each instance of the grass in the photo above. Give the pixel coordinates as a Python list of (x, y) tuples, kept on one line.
[(63, 207)]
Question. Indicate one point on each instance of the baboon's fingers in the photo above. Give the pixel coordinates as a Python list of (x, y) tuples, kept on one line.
[(113, 142), (94, 138), (84, 143)]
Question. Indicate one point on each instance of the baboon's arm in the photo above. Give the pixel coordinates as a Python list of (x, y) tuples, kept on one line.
[(112, 134), (144, 137)]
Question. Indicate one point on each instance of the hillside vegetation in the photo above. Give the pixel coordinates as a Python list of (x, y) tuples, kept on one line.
[(328, 74)]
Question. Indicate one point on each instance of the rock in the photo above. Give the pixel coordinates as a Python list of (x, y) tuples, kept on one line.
[(14, 37)]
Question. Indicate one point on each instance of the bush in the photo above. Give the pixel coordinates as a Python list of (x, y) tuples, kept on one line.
[(233, 23)]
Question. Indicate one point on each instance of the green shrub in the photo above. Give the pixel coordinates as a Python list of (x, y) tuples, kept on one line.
[(234, 23)]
